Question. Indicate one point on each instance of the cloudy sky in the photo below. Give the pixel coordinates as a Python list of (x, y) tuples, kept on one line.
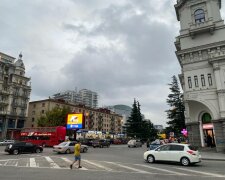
[(121, 49)]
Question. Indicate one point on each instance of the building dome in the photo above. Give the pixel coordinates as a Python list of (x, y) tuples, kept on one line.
[(19, 63)]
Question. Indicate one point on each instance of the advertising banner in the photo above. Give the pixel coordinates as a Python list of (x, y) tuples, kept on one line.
[(75, 121)]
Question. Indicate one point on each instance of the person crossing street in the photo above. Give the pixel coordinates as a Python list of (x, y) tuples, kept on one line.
[(77, 156)]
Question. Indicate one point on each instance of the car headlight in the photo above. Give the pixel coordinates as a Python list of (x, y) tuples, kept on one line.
[(10, 146)]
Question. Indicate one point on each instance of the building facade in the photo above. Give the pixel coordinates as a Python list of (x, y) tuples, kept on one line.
[(14, 95), (201, 54), (123, 110), (101, 120), (84, 96)]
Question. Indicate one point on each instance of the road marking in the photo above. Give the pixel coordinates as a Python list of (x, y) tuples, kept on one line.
[(52, 163), (98, 165), (130, 168), (70, 162), (200, 172), (160, 169), (32, 162)]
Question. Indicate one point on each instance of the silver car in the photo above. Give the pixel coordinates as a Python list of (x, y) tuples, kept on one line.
[(134, 143), (68, 147), (6, 142)]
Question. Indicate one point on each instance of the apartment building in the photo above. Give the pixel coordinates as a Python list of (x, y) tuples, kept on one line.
[(95, 119), (84, 96), (14, 95)]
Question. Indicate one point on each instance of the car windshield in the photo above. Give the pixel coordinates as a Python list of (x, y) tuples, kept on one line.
[(63, 144)]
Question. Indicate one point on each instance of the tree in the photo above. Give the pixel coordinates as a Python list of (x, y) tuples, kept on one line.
[(176, 111), (136, 127), (55, 117)]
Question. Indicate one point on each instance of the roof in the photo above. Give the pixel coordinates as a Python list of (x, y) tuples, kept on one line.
[(180, 3)]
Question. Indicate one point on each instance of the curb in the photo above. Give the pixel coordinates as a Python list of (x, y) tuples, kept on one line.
[(213, 159)]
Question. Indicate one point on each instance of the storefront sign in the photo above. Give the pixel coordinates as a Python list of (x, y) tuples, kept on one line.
[(207, 126)]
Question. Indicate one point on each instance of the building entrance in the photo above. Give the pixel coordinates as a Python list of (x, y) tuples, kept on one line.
[(207, 127)]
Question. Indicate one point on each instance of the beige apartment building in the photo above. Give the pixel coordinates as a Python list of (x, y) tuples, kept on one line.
[(97, 121)]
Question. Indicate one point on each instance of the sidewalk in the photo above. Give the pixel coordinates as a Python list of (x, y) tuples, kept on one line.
[(212, 155)]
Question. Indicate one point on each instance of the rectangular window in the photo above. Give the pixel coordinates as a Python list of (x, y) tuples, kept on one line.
[(43, 104), (43, 111), (189, 82), (203, 80), (210, 79), (196, 81)]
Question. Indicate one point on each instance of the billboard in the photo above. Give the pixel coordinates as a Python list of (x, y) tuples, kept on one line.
[(75, 121)]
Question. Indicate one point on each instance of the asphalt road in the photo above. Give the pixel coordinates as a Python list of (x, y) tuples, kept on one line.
[(117, 162)]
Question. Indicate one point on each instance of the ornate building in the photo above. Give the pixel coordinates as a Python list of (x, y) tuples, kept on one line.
[(201, 54), (14, 95)]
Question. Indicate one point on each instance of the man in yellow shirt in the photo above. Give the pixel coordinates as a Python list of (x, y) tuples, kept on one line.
[(77, 156)]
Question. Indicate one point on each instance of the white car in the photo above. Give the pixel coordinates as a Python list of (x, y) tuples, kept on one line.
[(68, 147), (134, 143), (186, 154)]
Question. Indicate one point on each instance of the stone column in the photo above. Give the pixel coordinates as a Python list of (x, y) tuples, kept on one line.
[(220, 88)]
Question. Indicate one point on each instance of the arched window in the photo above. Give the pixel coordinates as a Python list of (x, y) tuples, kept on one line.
[(206, 118), (199, 16)]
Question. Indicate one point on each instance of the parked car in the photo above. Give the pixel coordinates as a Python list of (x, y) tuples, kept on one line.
[(100, 143), (6, 142), (87, 142), (134, 143), (68, 147), (117, 141), (185, 154), (23, 147)]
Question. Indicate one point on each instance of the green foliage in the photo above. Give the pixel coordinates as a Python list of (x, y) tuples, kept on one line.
[(55, 117), (176, 111), (136, 127)]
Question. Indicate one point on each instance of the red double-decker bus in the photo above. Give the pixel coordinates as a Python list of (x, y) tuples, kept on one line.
[(44, 136)]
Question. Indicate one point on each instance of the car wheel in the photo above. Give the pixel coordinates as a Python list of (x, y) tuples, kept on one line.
[(185, 161), (150, 159), (85, 150), (15, 151), (68, 151), (37, 150)]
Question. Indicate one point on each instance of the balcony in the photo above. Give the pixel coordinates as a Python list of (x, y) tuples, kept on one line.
[(5, 91), (15, 93), (4, 102), (15, 104), (196, 28), (22, 114), (3, 112), (13, 113)]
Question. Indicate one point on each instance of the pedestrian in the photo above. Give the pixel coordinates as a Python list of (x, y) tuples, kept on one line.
[(77, 156), (209, 141), (147, 144)]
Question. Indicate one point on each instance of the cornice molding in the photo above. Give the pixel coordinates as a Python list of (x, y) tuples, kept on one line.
[(201, 47)]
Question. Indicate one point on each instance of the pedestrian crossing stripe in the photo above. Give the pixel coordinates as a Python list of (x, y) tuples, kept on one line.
[(93, 165)]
